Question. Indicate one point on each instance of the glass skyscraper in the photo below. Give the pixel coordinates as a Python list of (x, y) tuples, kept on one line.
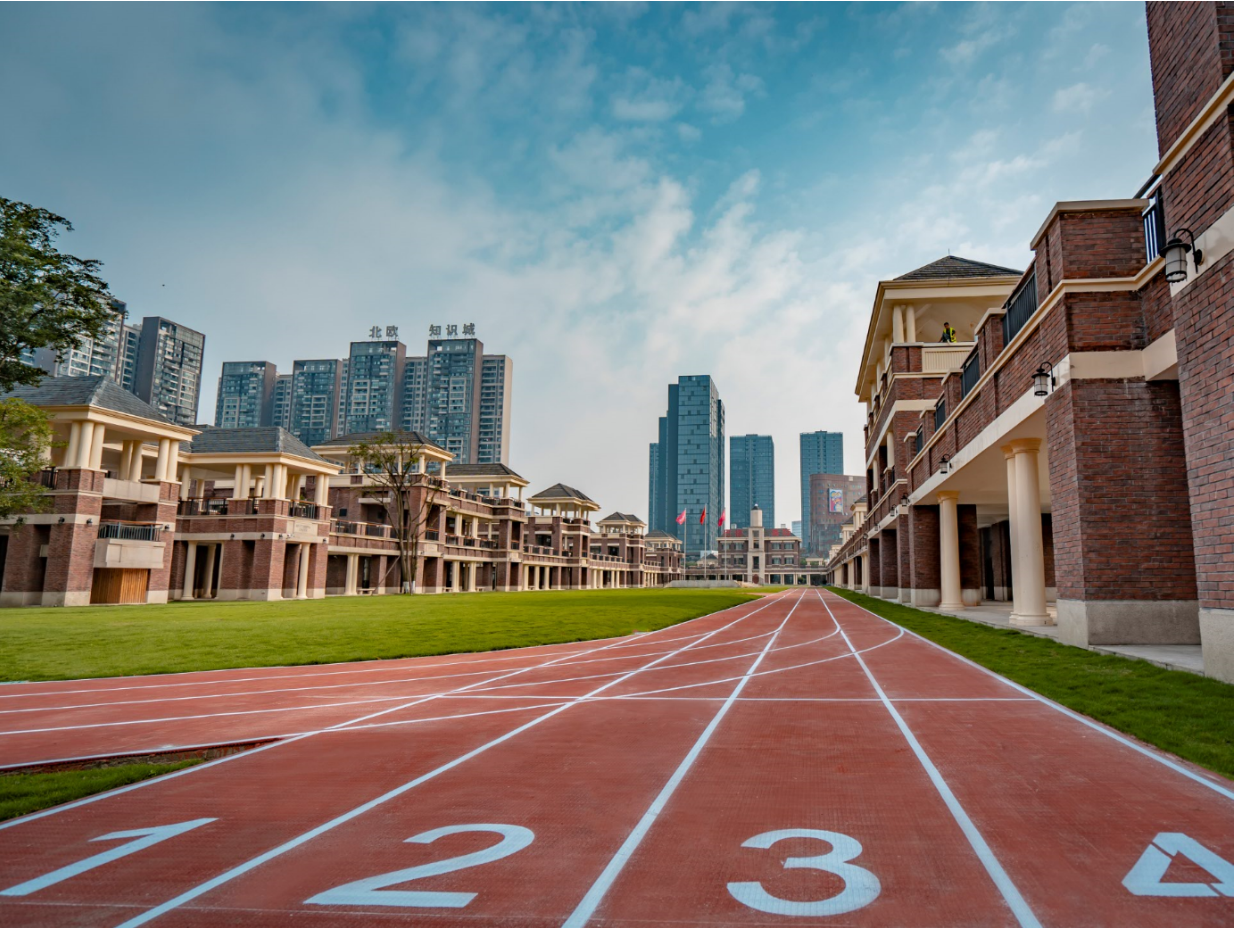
[(751, 479), (687, 464), (821, 453)]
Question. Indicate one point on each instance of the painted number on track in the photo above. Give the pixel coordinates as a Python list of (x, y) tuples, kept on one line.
[(372, 891), (861, 887), (142, 839), (1145, 878)]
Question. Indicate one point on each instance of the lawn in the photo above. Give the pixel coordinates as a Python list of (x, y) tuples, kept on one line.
[(1183, 713), (104, 641), (22, 793)]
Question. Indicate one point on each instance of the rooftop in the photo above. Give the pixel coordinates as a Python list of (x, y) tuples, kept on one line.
[(561, 491), (482, 470), (265, 440), (953, 267), (411, 438), (100, 392)]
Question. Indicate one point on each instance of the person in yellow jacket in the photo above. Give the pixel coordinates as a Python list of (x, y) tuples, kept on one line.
[(948, 333)]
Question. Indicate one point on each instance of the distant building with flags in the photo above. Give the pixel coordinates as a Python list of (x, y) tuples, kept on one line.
[(687, 465)]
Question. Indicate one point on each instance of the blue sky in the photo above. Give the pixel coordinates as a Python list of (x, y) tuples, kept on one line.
[(614, 194)]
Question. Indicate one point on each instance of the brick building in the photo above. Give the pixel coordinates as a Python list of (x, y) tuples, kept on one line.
[(143, 510), (1087, 403), (758, 555)]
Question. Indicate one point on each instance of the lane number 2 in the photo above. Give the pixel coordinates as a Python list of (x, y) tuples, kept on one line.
[(142, 839), (372, 891), (1144, 879), (861, 887)]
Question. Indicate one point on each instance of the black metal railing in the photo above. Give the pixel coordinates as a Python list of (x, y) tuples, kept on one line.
[(920, 442), (129, 531), (1154, 225), (198, 506), (1019, 308), (432, 535), (46, 478), (304, 510), (970, 373), (940, 414)]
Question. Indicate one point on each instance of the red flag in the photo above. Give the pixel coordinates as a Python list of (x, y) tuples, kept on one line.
[(723, 515), (702, 519), (681, 519)]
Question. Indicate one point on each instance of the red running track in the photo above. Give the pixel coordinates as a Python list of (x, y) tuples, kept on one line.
[(793, 761)]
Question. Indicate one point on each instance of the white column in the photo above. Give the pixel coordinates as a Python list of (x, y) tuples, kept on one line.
[(302, 580), (207, 590), (241, 491), (321, 493), (1030, 554), (136, 462), (910, 324), (190, 567), (186, 483), (126, 459), (96, 447), (85, 447), (897, 325), (471, 576), (173, 462), (160, 468), (1014, 527), (949, 549), (269, 490), (353, 573), (73, 452)]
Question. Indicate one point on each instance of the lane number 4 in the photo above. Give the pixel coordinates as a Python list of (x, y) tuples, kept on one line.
[(1144, 879)]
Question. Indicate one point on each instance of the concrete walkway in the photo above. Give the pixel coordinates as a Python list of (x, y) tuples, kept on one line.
[(1186, 657)]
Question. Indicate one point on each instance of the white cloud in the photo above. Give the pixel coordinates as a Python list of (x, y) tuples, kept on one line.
[(1078, 98), (648, 99), (724, 95)]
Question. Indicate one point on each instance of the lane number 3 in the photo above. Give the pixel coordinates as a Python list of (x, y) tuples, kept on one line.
[(861, 887)]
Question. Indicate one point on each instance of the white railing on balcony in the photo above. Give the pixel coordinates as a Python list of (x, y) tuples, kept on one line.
[(939, 359)]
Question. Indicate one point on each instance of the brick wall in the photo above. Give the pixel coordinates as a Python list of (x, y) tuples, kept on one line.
[(970, 548), (889, 557), (1189, 51), (874, 562), (1118, 475), (923, 530), (1200, 189)]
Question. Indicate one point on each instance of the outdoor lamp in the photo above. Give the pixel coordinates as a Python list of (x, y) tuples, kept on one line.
[(944, 465), (904, 500), (1175, 253), (1043, 379)]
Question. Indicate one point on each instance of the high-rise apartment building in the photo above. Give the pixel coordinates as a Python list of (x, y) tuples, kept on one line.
[(167, 371), (821, 453), (415, 386), (450, 412), (831, 501), (246, 391), (688, 464), (751, 479), (94, 357), (315, 391), (496, 382), (374, 386)]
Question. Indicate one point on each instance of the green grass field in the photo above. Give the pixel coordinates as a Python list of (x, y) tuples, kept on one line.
[(22, 793), (1185, 714), (104, 641)]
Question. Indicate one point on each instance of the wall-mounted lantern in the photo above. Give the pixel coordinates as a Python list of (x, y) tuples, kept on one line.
[(944, 465), (1175, 254), (1043, 379)]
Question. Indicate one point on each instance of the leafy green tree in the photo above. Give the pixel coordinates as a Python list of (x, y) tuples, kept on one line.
[(48, 299), (25, 436)]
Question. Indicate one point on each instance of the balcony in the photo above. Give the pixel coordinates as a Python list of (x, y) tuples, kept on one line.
[(944, 357), (304, 511), (1154, 225), (367, 529), (202, 507), (130, 531), (1019, 309), (970, 373), (940, 414)]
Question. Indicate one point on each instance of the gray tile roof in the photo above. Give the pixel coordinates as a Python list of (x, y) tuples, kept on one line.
[(622, 517), (100, 392), (346, 441), (657, 534), (264, 440), (955, 268), (558, 491), (480, 470)]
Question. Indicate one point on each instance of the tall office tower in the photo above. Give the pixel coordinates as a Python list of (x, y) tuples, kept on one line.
[(280, 402), (821, 453), (496, 380), (374, 386), (246, 390), (315, 392), (751, 479), (655, 503), (415, 385), (831, 500), (689, 464), (167, 374)]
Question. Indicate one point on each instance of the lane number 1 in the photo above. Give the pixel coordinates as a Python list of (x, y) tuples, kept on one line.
[(142, 839)]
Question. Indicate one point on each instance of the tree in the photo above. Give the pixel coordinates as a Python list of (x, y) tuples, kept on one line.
[(25, 436), (48, 299), (389, 460)]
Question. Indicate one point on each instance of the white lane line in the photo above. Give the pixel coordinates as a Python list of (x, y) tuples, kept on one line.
[(35, 816), (1070, 713), (251, 864), (595, 895), (1011, 894)]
